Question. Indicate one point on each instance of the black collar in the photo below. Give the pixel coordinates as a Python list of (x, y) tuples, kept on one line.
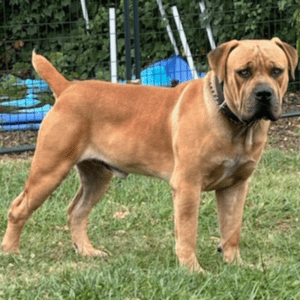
[(223, 107)]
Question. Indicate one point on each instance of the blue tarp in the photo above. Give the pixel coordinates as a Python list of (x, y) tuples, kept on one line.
[(36, 85), (164, 71), (26, 119), (29, 100), (28, 116)]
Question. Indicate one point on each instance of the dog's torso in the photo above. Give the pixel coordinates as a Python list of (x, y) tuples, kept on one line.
[(130, 132), (139, 128)]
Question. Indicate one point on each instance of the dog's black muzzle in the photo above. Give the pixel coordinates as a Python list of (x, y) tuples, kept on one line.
[(264, 104)]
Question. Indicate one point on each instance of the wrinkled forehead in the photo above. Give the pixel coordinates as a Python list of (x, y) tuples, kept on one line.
[(254, 53)]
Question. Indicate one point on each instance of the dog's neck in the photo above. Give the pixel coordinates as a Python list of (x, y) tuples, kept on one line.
[(218, 94)]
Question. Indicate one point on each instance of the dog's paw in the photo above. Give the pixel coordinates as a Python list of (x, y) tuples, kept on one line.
[(192, 265), (10, 249), (99, 253), (197, 269), (90, 251), (232, 256)]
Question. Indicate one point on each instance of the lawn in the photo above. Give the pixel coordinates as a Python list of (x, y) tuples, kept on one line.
[(134, 225)]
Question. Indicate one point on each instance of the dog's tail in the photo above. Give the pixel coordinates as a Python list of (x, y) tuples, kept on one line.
[(57, 82)]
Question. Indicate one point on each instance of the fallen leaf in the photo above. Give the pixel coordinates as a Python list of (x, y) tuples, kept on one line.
[(121, 215)]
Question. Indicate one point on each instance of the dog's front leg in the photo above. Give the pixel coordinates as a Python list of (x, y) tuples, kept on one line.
[(186, 198), (230, 209)]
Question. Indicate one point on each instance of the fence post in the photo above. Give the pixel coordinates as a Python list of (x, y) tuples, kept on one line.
[(184, 41), (127, 40), (168, 27), (113, 44), (137, 39)]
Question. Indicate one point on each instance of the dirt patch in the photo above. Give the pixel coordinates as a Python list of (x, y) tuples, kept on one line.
[(13, 139), (283, 134)]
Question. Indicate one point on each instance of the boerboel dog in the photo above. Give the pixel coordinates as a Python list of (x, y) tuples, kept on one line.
[(202, 135)]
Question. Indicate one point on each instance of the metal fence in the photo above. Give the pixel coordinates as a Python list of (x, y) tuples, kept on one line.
[(78, 38)]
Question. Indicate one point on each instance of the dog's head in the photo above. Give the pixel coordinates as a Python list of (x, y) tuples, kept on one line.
[(255, 75)]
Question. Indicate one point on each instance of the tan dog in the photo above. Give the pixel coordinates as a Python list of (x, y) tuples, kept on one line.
[(206, 134)]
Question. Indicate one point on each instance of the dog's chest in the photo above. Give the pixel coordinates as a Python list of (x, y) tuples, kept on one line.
[(227, 172)]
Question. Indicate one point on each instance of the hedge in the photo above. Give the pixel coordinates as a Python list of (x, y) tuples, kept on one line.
[(58, 31)]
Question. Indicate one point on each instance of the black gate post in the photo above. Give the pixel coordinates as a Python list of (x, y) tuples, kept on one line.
[(137, 39), (127, 40)]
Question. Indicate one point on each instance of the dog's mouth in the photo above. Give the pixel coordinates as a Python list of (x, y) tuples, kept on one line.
[(262, 104), (266, 112)]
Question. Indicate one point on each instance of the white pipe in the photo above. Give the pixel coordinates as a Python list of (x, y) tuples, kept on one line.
[(113, 44), (184, 41), (85, 14), (168, 27), (208, 28)]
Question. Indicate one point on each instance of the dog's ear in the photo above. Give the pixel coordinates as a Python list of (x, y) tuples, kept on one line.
[(217, 58), (291, 54)]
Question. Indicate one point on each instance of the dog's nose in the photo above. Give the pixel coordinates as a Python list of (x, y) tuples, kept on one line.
[(264, 95), (266, 103)]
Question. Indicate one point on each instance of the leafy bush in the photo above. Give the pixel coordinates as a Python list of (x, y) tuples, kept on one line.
[(8, 89), (58, 31), (295, 21)]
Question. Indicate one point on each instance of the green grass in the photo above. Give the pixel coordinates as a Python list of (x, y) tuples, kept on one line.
[(142, 263)]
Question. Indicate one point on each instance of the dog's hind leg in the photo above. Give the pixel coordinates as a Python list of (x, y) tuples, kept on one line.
[(41, 182), (95, 179), (53, 159)]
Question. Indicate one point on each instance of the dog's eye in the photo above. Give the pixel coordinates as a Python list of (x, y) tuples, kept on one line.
[(246, 73), (276, 72)]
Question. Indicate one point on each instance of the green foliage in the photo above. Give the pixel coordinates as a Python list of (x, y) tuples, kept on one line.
[(247, 19), (294, 21), (10, 90), (58, 31), (8, 83)]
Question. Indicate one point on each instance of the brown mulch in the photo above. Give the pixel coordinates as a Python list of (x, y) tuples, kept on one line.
[(11, 139), (283, 134)]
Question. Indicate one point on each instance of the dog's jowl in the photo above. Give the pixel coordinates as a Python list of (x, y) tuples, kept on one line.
[(206, 134)]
